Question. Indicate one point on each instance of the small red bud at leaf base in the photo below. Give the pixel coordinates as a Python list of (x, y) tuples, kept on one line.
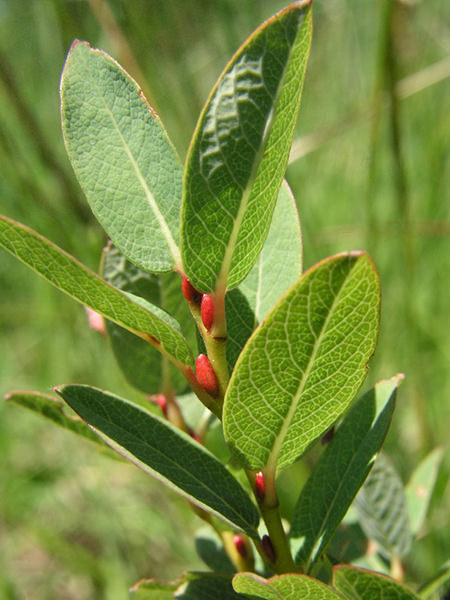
[(240, 546), (207, 310), (206, 375), (189, 291), (268, 548), (260, 486), (162, 403), (327, 437)]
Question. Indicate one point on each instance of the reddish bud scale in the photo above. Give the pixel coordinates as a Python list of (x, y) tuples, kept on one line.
[(162, 403), (328, 437), (240, 546), (189, 291), (268, 548), (260, 486), (207, 310), (206, 375)]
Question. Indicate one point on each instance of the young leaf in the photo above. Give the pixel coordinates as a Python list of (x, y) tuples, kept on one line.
[(278, 266), (144, 367), (240, 149), (53, 409), (420, 489), (165, 453), (71, 277), (341, 471), (359, 584), (122, 157), (283, 587), (192, 586), (383, 511), (152, 589), (304, 364)]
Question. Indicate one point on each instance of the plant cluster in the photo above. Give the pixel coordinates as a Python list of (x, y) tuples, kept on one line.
[(210, 257)]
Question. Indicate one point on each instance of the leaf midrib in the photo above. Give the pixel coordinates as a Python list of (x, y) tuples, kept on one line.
[(272, 460), (173, 248)]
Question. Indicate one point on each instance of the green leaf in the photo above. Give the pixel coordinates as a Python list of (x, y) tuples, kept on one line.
[(420, 489), (122, 157), (435, 582), (71, 277), (359, 584), (239, 151), (192, 586), (144, 367), (210, 549), (53, 409), (304, 364), (278, 266), (341, 471), (383, 511), (165, 453), (283, 587)]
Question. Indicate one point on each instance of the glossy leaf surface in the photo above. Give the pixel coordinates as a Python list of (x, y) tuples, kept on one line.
[(81, 284), (359, 584), (144, 367), (341, 471), (122, 157), (420, 488), (164, 452), (304, 364), (283, 587), (240, 149), (383, 510)]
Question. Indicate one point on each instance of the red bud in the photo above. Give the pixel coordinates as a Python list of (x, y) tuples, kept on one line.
[(207, 310), (189, 291), (268, 548), (260, 486), (206, 376), (162, 403), (240, 546)]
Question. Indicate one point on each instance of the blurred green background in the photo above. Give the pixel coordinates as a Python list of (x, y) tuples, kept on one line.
[(370, 169)]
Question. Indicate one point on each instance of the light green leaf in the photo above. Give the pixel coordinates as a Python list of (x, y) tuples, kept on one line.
[(383, 511), (53, 409), (239, 151), (278, 266), (435, 582), (420, 489), (341, 471), (283, 587), (165, 453), (144, 367), (152, 589), (122, 157), (77, 281), (359, 584), (304, 364)]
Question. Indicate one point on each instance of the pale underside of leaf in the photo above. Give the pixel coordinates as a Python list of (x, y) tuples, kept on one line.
[(122, 157), (77, 281), (304, 364)]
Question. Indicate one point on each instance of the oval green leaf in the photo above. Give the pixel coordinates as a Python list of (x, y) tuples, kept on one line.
[(304, 364), (239, 151), (166, 453), (77, 281), (283, 587), (122, 157), (360, 584), (341, 471), (383, 509)]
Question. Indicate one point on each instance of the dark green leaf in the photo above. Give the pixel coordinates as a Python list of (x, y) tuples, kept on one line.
[(304, 364), (383, 511), (166, 453), (341, 471), (122, 157), (71, 277), (210, 549), (240, 149), (359, 584)]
